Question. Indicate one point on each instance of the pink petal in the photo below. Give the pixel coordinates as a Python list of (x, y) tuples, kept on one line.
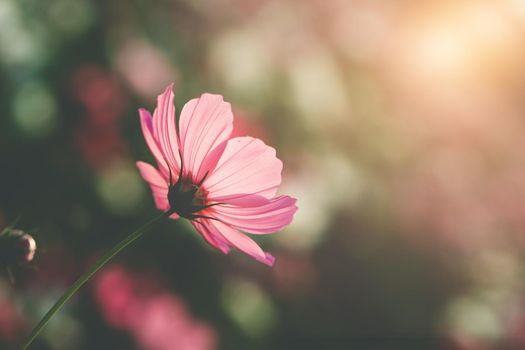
[(165, 129), (147, 130), (267, 218), (209, 234), (157, 183), (247, 166), (241, 200), (205, 123), (239, 241)]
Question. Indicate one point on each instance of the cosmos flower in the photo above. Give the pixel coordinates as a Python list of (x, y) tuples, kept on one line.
[(223, 185)]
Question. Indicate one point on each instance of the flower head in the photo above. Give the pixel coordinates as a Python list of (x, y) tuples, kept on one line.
[(223, 185)]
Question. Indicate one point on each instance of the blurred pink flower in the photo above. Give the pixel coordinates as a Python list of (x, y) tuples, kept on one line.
[(98, 137), (221, 184), (116, 293), (144, 67), (163, 328), (11, 321), (99, 145), (100, 93), (158, 320)]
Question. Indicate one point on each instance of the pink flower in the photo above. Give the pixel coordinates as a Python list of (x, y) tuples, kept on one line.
[(141, 305), (221, 184)]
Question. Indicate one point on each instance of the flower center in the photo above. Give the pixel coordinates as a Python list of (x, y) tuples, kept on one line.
[(186, 198)]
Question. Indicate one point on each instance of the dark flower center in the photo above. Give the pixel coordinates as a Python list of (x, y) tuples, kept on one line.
[(187, 198)]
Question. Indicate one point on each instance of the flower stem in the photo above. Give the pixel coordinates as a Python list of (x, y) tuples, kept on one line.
[(87, 275)]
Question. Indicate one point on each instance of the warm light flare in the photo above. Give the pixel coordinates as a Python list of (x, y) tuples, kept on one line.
[(439, 50), (459, 42)]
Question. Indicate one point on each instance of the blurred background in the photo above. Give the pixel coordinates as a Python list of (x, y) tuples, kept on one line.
[(402, 128)]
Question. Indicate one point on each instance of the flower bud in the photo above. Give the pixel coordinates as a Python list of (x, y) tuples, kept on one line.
[(16, 247)]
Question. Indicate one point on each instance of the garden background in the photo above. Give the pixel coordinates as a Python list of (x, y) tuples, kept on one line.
[(401, 125)]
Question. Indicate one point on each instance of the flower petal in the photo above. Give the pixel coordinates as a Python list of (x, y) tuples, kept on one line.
[(239, 241), (267, 218), (247, 167), (205, 123), (165, 130), (146, 123), (209, 234), (157, 183)]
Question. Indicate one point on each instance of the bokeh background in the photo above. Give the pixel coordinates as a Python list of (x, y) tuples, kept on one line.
[(402, 128)]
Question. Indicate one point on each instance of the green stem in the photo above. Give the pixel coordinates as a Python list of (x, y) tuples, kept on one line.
[(87, 275)]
